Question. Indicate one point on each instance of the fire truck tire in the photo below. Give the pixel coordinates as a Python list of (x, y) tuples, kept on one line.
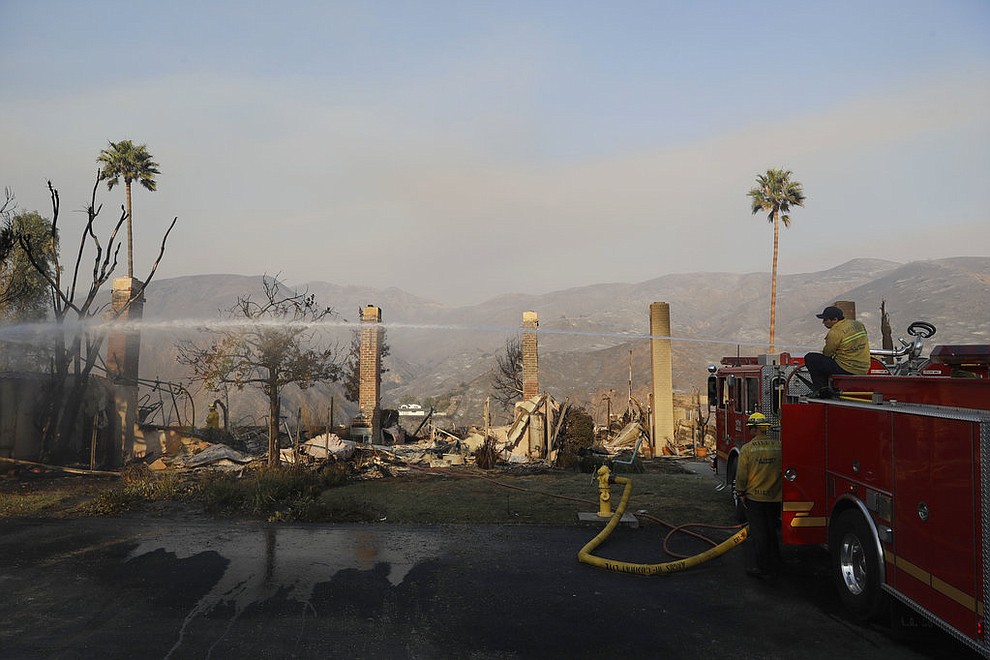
[(855, 566)]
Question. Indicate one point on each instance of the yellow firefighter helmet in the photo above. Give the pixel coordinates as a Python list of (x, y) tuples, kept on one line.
[(757, 419)]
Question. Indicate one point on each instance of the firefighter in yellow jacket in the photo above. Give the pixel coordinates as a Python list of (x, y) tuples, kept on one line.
[(758, 486), (846, 351), (213, 417)]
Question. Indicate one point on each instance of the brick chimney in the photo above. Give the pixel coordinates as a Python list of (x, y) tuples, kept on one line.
[(530, 356), (663, 379), (370, 383)]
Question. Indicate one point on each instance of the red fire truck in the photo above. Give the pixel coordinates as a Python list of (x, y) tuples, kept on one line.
[(893, 474)]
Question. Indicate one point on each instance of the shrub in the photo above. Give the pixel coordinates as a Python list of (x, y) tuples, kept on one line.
[(277, 493), (140, 485), (222, 494), (135, 472), (112, 502), (277, 486), (334, 474), (486, 456), (577, 434)]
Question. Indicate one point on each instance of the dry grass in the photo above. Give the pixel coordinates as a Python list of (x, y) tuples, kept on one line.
[(453, 496), (50, 495), (553, 498)]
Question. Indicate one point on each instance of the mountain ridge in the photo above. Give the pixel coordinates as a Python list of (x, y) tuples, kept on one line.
[(445, 351)]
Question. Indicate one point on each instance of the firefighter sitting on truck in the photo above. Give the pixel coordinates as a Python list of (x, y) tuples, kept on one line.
[(847, 351), (758, 488)]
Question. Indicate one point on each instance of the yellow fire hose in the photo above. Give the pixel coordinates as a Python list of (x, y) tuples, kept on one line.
[(584, 555), (605, 505)]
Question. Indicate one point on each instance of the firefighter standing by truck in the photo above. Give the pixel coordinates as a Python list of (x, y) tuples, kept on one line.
[(758, 487)]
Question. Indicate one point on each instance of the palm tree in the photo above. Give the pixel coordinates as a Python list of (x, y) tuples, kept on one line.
[(133, 163), (775, 194)]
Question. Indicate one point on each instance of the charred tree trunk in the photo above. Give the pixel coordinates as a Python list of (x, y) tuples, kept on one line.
[(275, 411), (66, 426)]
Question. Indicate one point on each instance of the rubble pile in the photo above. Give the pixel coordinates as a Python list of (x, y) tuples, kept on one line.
[(531, 440)]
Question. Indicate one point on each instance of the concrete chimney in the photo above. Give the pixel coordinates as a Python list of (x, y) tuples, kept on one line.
[(530, 356), (370, 366), (123, 357), (663, 378)]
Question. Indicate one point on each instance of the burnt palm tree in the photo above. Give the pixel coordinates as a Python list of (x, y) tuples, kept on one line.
[(131, 162), (775, 194)]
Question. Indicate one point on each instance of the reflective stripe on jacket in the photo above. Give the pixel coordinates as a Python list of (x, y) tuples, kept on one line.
[(758, 470), (847, 344)]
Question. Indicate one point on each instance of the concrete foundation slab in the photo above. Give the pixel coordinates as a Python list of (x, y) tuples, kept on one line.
[(628, 519)]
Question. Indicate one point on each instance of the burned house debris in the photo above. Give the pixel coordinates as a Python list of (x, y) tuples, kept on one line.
[(407, 435)]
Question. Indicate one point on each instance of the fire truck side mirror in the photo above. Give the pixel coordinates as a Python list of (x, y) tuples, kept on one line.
[(712, 392)]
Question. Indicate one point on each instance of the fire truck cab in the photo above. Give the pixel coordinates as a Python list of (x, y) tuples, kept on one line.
[(893, 475)]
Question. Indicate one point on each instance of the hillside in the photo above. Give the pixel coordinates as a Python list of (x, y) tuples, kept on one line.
[(587, 333)]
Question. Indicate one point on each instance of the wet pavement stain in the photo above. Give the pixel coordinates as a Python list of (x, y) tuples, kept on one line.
[(268, 564)]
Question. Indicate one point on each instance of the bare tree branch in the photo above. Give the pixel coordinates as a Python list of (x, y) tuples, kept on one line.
[(276, 351), (76, 351), (507, 374)]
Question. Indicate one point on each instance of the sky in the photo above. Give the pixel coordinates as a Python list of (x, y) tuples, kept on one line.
[(462, 150)]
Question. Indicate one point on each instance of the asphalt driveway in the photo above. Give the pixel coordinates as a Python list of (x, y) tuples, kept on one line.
[(133, 587)]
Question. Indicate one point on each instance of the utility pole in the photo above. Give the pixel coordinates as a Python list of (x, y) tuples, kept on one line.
[(629, 407), (607, 397)]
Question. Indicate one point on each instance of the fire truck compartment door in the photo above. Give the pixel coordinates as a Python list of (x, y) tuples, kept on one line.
[(804, 520), (935, 552)]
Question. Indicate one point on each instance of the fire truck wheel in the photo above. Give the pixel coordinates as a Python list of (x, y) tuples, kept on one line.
[(855, 567)]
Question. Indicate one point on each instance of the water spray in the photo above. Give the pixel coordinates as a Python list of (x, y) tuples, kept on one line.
[(28, 332)]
